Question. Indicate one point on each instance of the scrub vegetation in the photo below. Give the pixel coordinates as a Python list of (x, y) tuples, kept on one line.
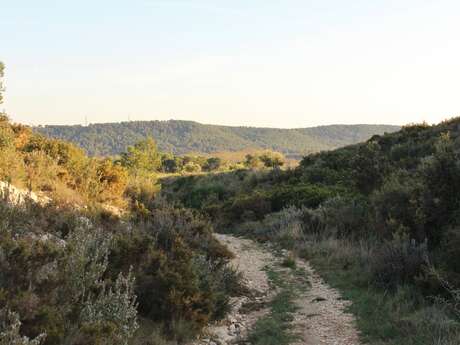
[(379, 220), (120, 249)]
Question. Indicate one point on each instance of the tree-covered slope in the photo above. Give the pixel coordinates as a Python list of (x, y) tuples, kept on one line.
[(181, 137)]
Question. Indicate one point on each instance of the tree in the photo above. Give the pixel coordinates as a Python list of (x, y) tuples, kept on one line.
[(112, 180), (2, 70), (440, 176), (213, 163), (192, 167), (369, 166), (171, 163), (6, 132), (252, 161), (142, 158), (272, 159)]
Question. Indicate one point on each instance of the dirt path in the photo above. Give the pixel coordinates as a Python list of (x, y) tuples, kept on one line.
[(322, 318), (250, 260), (319, 317)]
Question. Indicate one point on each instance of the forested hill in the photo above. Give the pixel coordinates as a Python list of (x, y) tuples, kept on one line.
[(182, 137)]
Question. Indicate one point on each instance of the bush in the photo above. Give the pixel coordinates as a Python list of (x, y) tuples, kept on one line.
[(12, 169), (9, 330), (141, 192), (192, 167), (313, 223), (283, 227), (398, 262), (307, 195), (289, 262), (203, 195), (248, 207), (114, 309), (396, 206), (179, 267), (345, 216), (450, 256), (41, 171)]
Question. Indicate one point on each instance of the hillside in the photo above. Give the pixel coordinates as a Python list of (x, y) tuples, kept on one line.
[(181, 137), (379, 220), (75, 272)]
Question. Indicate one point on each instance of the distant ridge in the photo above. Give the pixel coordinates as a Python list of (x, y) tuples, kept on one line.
[(181, 137)]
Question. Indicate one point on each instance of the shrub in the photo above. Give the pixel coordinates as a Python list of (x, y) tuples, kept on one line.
[(272, 159), (142, 158), (179, 267), (345, 216), (398, 262), (192, 167), (249, 207), (313, 222), (202, 195), (6, 133), (442, 187), (113, 307), (212, 164), (41, 171), (9, 330), (12, 169), (289, 261), (396, 205), (284, 227), (141, 191), (305, 195), (450, 256), (369, 167), (112, 180)]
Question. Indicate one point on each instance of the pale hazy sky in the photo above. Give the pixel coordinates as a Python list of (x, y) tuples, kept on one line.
[(277, 63)]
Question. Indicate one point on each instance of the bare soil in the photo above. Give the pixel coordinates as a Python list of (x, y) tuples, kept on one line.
[(321, 317)]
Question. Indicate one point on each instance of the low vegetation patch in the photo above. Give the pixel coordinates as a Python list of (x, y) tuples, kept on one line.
[(275, 328)]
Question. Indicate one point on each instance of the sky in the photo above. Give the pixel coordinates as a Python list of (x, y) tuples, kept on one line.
[(269, 63)]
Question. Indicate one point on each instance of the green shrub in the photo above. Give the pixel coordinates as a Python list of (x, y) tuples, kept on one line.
[(179, 267), (289, 261), (450, 256), (284, 227), (310, 196), (248, 207), (111, 316), (396, 205), (203, 195), (398, 262), (345, 217), (9, 330)]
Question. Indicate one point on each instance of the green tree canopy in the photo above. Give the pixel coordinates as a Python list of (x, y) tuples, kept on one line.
[(2, 69), (142, 158), (272, 159), (213, 163)]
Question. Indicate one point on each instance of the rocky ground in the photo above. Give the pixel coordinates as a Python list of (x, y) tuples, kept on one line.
[(250, 259), (320, 316)]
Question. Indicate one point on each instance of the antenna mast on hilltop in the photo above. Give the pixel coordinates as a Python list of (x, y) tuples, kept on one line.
[(86, 120)]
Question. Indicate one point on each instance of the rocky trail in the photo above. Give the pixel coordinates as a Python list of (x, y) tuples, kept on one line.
[(317, 315)]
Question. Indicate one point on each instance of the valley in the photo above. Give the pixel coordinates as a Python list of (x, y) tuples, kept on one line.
[(337, 250)]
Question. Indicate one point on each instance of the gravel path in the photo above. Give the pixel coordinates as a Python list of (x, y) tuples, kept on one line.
[(320, 319), (250, 259)]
